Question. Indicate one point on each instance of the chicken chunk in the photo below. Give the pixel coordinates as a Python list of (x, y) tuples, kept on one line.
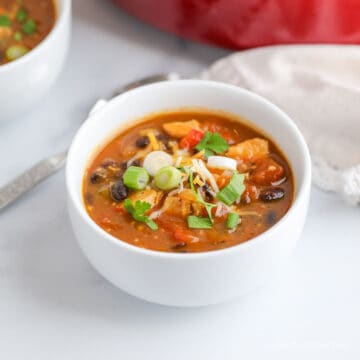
[(151, 196), (267, 172), (179, 129), (180, 207), (252, 149)]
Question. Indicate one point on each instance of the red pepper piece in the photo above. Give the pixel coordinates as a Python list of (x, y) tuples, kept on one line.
[(191, 139)]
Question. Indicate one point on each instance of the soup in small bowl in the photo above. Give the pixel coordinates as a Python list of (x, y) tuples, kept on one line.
[(188, 181), (188, 193), (23, 25), (34, 39)]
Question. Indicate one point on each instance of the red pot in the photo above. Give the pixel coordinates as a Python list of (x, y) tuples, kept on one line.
[(249, 23)]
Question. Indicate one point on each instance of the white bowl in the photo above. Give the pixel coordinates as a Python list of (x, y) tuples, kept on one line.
[(26, 80), (191, 279)]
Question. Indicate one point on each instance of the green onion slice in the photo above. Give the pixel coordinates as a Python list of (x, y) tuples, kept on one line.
[(15, 51), (29, 27), (5, 21), (136, 178), (167, 178), (233, 220), (232, 191), (17, 36), (196, 222), (21, 15)]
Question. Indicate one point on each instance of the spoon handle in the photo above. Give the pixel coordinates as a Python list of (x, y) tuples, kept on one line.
[(43, 169), (27, 180)]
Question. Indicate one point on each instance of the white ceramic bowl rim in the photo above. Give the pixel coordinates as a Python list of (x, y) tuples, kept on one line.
[(63, 9), (300, 191)]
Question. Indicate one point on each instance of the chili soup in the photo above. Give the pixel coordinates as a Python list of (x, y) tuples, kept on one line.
[(23, 25), (188, 181)]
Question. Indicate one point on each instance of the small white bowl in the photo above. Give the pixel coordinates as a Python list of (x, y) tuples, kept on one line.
[(26, 80), (191, 279)]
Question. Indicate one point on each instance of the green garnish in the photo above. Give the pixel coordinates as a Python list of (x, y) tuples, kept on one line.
[(15, 51), (233, 220), (212, 143), (136, 178), (5, 21), (29, 27), (138, 212), (167, 178), (208, 206), (17, 36), (232, 191), (196, 222), (21, 15), (191, 181)]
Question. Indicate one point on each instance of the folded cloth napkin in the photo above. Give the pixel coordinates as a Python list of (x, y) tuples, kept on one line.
[(318, 86)]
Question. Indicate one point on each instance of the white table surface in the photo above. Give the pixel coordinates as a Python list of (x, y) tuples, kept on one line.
[(53, 305)]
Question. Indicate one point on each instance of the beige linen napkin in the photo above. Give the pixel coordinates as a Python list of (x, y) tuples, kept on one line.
[(319, 87)]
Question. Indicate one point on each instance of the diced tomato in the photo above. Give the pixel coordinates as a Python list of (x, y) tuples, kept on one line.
[(267, 172), (182, 235), (191, 139), (222, 180)]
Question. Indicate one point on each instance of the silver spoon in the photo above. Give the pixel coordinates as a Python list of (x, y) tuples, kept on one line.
[(43, 169)]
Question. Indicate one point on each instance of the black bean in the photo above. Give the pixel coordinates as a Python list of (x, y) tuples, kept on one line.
[(118, 191), (208, 194), (270, 217), (96, 177), (142, 142), (274, 193)]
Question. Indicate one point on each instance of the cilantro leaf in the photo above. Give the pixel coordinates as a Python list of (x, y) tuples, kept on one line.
[(208, 206), (191, 181), (138, 212), (5, 21), (212, 143), (21, 15)]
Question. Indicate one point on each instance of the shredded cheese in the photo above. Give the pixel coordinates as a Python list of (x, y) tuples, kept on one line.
[(198, 181), (279, 182), (154, 143), (178, 161), (183, 178), (194, 239), (181, 152), (196, 168), (221, 209), (208, 176), (218, 209), (174, 192), (131, 160), (155, 214)]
